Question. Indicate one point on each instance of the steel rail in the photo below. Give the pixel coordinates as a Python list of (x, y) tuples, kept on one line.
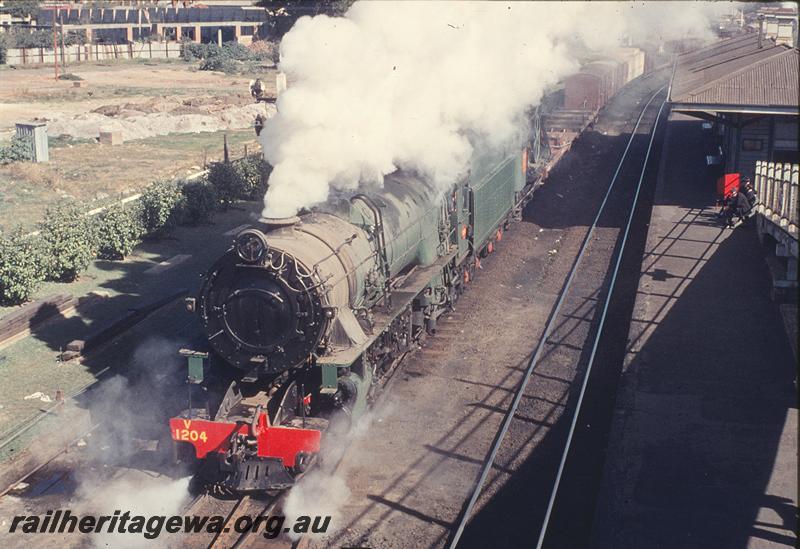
[(34, 419), (467, 512), (61, 451), (596, 343), (266, 510), (227, 524)]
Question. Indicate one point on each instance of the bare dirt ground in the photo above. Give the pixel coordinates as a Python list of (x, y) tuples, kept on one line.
[(171, 116), (27, 94)]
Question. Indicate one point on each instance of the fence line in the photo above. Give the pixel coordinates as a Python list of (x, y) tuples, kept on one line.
[(777, 188), (94, 52)]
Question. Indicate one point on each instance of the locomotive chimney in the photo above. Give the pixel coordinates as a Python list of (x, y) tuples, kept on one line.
[(271, 223)]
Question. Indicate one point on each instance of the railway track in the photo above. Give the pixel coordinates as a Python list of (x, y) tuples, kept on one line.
[(50, 459), (653, 104), (461, 386), (29, 425), (244, 507)]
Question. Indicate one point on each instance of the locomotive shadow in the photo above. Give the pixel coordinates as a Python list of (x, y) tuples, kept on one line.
[(158, 268)]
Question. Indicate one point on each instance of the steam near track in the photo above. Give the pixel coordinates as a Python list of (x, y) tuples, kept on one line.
[(419, 85)]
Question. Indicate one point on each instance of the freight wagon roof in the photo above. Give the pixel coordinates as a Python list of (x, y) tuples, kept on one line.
[(735, 75), (600, 68)]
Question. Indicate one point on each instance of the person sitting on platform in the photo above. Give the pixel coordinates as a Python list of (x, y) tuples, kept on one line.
[(749, 192), (738, 205)]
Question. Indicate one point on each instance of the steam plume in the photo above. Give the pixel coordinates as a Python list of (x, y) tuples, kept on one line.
[(323, 492), (417, 85)]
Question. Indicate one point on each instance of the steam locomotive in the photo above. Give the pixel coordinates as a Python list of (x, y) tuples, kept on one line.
[(312, 311)]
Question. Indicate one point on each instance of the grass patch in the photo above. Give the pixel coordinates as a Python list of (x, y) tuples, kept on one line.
[(55, 142), (83, 172)]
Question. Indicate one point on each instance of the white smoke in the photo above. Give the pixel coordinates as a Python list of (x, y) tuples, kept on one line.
[(418, 85), (150, 498), (125, 466), (323, 491)]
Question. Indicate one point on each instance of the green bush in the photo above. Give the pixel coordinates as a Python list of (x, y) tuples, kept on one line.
[(70, 241), (118, 231), (160, 205), (199, 202), (21, 270), (227, 181), (194, 50), (226, 58), (219, 63), (243, 179), (235, 50), (254, 171), (19, 150), (69, 76)]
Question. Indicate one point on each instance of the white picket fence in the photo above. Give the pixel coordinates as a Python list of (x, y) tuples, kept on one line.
[(777, 188)]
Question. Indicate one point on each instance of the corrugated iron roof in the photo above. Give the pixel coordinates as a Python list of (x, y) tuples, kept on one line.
[(737, 73)]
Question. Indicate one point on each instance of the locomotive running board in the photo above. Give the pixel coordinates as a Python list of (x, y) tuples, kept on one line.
[(401, 298)]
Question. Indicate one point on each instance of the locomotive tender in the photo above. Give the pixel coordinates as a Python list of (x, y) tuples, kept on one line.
[(312, 311)]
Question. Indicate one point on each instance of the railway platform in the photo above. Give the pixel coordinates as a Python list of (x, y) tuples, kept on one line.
[(703, 446)]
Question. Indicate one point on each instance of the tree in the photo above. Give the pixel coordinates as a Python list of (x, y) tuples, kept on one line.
[(283, 13), (306, 7), (23, 8)]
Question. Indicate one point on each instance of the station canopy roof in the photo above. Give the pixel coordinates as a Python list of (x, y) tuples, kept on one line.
[(737, 76)]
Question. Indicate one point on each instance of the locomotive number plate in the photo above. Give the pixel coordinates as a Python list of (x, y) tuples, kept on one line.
[(189, 435)]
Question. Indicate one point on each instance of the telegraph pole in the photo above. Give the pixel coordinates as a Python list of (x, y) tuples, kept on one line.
[(55, 10), (55, 42)]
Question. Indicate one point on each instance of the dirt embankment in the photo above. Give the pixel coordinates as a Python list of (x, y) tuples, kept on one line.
[(140, 100), (160, 116)]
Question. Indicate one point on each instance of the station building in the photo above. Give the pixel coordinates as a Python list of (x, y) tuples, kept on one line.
[(748, 87)]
